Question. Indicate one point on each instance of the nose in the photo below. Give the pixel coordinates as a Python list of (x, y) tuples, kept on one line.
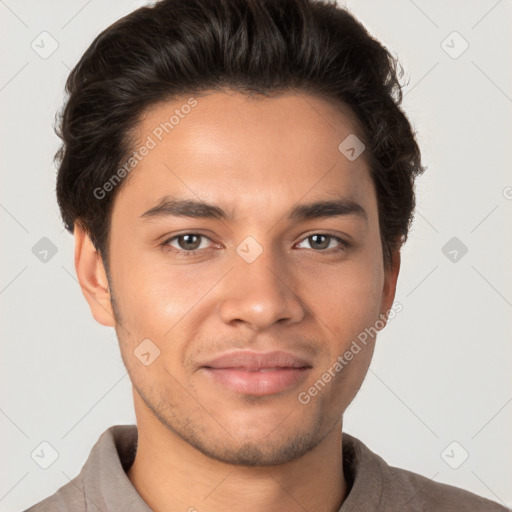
[(260, 294)]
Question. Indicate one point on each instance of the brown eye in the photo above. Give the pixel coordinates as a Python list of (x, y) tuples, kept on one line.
[(323, 241), (189, 241), (319, 241), (188, 244)]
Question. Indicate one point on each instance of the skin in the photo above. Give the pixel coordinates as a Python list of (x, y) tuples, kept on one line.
[(201, 446)]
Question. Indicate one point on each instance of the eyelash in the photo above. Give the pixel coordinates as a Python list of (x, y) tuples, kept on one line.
[(344, 244)]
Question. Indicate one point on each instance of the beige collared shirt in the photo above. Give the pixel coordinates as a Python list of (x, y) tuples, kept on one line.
[(103, 485)]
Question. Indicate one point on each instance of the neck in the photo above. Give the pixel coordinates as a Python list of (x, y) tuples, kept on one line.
[(170, 475)]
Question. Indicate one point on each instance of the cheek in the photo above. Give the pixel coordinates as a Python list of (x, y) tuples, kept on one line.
[(351, 308), (157, 299), (348, 301)]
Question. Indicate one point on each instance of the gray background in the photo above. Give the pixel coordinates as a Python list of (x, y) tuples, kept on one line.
[(441, 372)]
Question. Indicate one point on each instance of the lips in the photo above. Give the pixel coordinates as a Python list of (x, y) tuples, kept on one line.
[(255, 361), (257, 373)]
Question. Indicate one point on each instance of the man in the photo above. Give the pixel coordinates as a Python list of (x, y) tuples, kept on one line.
[(239, 179)]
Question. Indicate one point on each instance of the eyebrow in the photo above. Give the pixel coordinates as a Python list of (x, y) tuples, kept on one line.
[(175, 207)]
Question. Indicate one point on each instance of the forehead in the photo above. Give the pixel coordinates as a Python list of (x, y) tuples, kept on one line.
[(245, 152)]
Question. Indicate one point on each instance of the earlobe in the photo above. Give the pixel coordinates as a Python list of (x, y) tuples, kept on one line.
[(92, 277)]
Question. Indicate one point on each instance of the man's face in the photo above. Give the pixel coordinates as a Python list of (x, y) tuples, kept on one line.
[(259, 281)]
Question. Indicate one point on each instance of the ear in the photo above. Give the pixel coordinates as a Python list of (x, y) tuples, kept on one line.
[(92, 277), (389, 288)]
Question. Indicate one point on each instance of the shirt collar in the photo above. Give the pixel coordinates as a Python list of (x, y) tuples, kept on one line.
[(106, 484)]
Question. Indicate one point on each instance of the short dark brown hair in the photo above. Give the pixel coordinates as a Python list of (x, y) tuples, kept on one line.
[(185, 47)]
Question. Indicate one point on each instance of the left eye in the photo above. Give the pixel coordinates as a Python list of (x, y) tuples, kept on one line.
[(323, 241)]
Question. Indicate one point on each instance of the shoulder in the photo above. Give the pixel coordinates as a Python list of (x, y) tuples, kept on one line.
[(438, 496), (69, 497), (384, 487), (101, 473)]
